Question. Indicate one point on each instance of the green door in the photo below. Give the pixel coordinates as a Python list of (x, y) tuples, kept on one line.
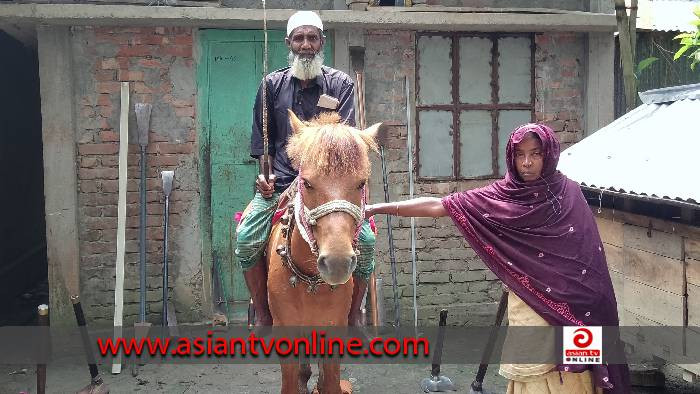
[(229, 73)]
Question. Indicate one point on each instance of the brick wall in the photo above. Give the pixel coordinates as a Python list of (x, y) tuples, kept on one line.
[(559, 84), (449, 273), (159, 66)]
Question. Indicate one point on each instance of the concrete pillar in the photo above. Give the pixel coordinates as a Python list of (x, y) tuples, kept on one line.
[(600, 84), (60, 176)]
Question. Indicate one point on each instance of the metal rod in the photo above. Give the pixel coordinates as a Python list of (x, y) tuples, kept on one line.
[(266, 142), (437, 357), (165, 264), (43, 320), (142, 239), (392, 254), (409, 142), (477, 384)]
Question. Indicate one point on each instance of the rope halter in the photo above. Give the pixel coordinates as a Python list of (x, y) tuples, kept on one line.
[(307, 218)]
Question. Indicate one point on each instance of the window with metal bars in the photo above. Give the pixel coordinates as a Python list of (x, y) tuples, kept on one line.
[(473, 89)]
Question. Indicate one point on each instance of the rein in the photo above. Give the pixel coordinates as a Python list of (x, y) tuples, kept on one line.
[(304, 219)]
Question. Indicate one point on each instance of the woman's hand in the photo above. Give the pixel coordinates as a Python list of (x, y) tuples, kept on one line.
[(369, 210)]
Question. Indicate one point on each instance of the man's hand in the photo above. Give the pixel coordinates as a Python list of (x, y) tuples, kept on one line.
[(265, 188)]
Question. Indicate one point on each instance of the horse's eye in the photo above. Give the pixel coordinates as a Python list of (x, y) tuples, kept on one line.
[(307, 184), (361, 185)]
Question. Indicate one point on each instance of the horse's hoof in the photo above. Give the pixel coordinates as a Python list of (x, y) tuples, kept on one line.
[(345, 387)]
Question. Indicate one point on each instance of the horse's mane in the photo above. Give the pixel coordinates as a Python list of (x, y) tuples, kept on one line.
[(329, 147)]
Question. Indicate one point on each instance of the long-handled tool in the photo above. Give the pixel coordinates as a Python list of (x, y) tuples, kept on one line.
[(357, 57), (96, 386), (143, 119), (169, 319), (43, 320), (477, 384), (121, 220), (437, 382)]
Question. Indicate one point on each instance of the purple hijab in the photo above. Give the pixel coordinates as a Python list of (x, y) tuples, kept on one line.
[(541, 240)]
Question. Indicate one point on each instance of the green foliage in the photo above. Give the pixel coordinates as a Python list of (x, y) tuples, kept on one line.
[(644, 64), (690, 43)]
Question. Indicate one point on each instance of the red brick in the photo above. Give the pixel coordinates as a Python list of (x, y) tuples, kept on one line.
[(140, 87), (133, 210), (135, 50), (154, 233), (183, 40), (132, 185), (110, 161), (154, 183), (106, 75), (87, 112), (155, 220), (106, 112), (98, 149), (185, 111), (87, 186), (109, 63), (132, 197), (184, 148), (98, 173), (91, 211), (176, 50), (155, 209), (89, 248), (142, 97), (157, 137), (88, 162), (104, 99), (130, 75), (147, 39), (108, 87), (164, 160), (109, 136), (100, 223), (110, 211), (109, 186), (91, 235)]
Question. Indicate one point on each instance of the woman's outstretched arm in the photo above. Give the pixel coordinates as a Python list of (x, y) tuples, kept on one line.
[(418, 207)]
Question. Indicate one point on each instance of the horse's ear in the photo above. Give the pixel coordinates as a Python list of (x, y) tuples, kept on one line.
[(378, 132), (297, 124)]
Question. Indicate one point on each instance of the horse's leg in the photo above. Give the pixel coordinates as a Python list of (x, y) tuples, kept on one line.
[(329, 380), (290, 378), (304, 376)]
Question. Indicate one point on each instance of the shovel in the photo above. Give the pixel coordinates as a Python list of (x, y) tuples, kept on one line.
[(169, 319)]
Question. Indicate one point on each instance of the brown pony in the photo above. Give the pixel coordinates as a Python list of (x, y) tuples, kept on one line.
[(312, 252)]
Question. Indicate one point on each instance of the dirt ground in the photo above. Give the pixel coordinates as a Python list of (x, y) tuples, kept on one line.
[(228, 378)]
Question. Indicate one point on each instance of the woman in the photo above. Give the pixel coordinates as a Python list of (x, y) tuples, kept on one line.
[(535, 231)]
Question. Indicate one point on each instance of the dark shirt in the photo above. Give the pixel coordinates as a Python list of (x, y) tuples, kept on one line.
[(284, 91)]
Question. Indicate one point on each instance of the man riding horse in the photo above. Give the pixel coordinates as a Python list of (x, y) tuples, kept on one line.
[(307, 88)]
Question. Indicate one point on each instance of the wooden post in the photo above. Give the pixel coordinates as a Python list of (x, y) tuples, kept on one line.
[(627, 52)]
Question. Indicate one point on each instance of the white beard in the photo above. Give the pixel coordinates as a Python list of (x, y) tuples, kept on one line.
[(304, 68)]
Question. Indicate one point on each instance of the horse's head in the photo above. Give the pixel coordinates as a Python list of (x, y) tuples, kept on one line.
[(333, 163)]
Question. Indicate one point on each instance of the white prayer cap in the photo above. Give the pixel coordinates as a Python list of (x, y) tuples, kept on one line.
[(303, 18)]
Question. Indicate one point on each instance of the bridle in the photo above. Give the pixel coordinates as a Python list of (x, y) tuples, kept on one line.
[(299, 215)]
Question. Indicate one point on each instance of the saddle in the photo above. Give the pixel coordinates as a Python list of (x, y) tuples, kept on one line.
[(285, 198)]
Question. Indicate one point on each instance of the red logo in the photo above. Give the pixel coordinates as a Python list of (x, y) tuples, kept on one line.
[(583, 337)]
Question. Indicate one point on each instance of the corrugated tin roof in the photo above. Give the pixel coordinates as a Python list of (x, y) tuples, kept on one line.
[(651, 151), (666, 15)]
